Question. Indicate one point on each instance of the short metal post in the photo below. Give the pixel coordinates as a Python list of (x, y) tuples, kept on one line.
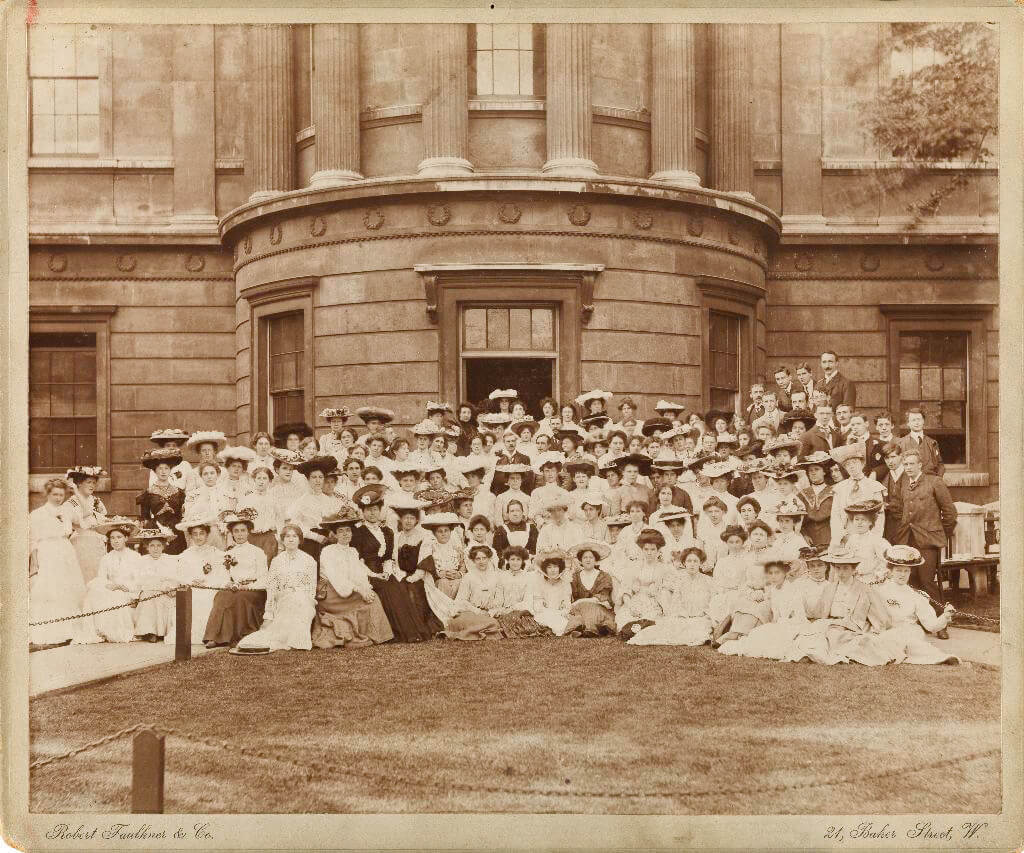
[(183, 623), (148, 773)]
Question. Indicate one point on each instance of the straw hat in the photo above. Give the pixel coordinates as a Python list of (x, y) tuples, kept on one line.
[(903, 556), (503, 394), (579, 462), (662, 407), (190, 521), (437, 407), (600, 549), (550, 457), (369, 495), (653, 425), (148, 534), (84, 472), (245, 455), (596, 394), (375, 413), (285, 457), (343, 412), (426, 427), (844, 453), (819, 457), (790, 509), (621, 520), (346, 516), (229, 518), (711, 470), (554, 502), (441, 519), (168, 434), (552, 554), (514, 468), (677, 513), (168, 456), (207, 436), (840, 555), (404, 502), (524, 423), (869, 506), (128, 526)]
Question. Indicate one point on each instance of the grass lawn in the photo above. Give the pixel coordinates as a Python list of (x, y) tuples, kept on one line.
[(546, 725)]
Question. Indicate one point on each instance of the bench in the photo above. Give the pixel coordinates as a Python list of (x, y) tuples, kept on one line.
[(981, 571)]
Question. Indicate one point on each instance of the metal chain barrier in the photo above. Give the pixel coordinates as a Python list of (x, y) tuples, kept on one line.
[(132, 603), (311, 769)]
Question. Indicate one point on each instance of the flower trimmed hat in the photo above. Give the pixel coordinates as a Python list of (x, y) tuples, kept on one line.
[(128, 526), (369, 495), (343, 412), (163, 456), (168, 434), (207, 436), (903, 556), (375, 413), (84, 472)]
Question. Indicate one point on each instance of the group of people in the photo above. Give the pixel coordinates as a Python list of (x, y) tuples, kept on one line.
[(795, 529)]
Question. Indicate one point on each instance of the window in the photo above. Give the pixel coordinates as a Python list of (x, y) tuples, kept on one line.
[(724, 360), (62, 401), (934, 378), (64, 71), (506, 59), (285, 370), (509, 329)]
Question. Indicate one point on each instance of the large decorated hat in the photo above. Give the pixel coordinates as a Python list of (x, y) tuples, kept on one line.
[(668, 463), (641, 460), (819, 457), (903, 556), (468, 464), (600, 549), (592, 498), (494, 420), (375, 413), (596, 394), (128, 526), (441, 519), (346, 516), (556, 501), (207, 436), (812, 552), (168, 456), (369, 495), (245, 455), (514, 468), (698, 462), (798, 415), (841, 555), (653, 425), (404, 502), (846, 452), (621, 520), (725, 438), (868, 506), (550, 457), (436, 500), (282, 431), (725, 468), (281, 456), (247, 516), (343, 412), (325, 464), (595, 420), (552, 555), (168, 434), (783, 472), (437, 407), (781, 442), (84, 472), (206, 519), (503, 394), (579, 462), (427, 428), (790, 509), (681, 431), (663, 407), (149, 533)]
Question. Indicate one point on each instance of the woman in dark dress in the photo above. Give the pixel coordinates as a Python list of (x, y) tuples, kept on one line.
[(163, 502), (375, 543), (412, 544), (467, 427), (591, 613)]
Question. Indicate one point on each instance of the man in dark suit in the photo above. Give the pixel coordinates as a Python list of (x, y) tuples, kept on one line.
[(927, 518), (858, 431), (818, 437), (892, 481), (784, 388), (883, 435), (928, 448), (832, 382)]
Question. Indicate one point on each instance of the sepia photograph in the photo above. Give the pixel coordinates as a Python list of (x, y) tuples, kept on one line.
[(512, 416)]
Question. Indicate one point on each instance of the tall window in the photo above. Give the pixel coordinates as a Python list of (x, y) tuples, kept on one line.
[(934, 379), (506, 59), (724, 360), (64, 71), (62, 400), (285, 334)]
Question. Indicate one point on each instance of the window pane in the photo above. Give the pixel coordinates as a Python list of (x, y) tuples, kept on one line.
[(88, 97), (910, 350), (38, 367), (42, 97), (526, 36), (85, 399), (484, 73), (62, 399), (88, 134), (953, 448), (519, 333), (506, 72), (38, 401), (65, 97), (506, 36), (955, 354), (910, 384), (40, 51), (497, 328), (63, 451), (932, 413), (483, 36), (952, 415), (85, 367), (85, 450), (723, 399), (526, 72), (86, 54), (42, 134), (931, 383), (38, 449), (62, 366), (543, 328), (65, 134), (953, 386), (474, 334), (64, 50)]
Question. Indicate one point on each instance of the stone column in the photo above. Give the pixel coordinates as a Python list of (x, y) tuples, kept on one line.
[(568, 101), (335, 88), (801, 124), (673, 136), (446, 110), (271, 150), (732, 162)]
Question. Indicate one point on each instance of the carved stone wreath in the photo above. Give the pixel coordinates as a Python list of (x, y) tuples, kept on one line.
[(247, 244), (57, 262), (803, 261), (510, 212), (195, 263), (643, 219), (733, 237), (373, 219), (934, 263), (126, 263), (869, 262), (318, 226), (579, 214), (438, 214), (275, 235), (694, 226)]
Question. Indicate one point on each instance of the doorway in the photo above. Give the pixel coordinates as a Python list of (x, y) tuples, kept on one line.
[(533, 378)]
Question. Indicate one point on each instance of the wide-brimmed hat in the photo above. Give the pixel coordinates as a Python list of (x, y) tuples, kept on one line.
[(375, 413), (550, 554), (282, 456), (668, 463), (579, 462), (168, 434), (649, 534), (903, 556), (468, 464), (149, 534), (698, 462), (168, 456), (503, 394), (780, 442), (524, 423), (725, 468), (514, 468), (441, 519), (404, 502), (426, 427), (596, 394), (282, 431), (663, 406), (207, 436), (128, 526), (595, 420), (782, 472), (677, 513), (247, 516), (493, 420), (840, 554), (325, 464), (681, 431), (433, 406), (844, 453), (207, 519), (751, 466), (819, 457), (812, 552), (568, 431), (594, 498), (734, 530), (346, 516), (229, 454), (550, 457), (555, 501), (802, 415), (771, 557), (369, 495), (84, 472), (620, 520), (653, 425), (725, 438), (343, 412), (406, 466), (601, 549), (868, 506), (790, 509), (641, 460)]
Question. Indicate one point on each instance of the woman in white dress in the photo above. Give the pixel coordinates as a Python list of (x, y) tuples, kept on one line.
[(517, 583), (788, 617), (551, 592), (289, 484), (56, 588), (911, 613), (87, 511), (268, 518), (444, 563), (156, 573), (201, 564), (308, 510), (479, 599), (262, 444), (291, 599), (206, 444), (113, 586), (685, 597), (640, 605), (236, 484)]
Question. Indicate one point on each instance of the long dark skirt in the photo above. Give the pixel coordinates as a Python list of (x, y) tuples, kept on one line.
[(235, 613), (266, 542), (407, 609), (591, 619), (349, 622), (520, 623)]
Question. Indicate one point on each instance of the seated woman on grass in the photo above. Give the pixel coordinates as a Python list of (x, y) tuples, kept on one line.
[(478, 600), (551, 594), (749, 609), (517, 530), (685, 596), (730, 574), (517, 584), (591, 613), (863, 539), (641, 604)]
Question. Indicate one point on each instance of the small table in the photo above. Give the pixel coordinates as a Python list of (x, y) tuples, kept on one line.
[(980, 570)]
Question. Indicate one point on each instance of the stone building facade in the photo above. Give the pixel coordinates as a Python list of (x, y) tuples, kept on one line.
[(233, 226)]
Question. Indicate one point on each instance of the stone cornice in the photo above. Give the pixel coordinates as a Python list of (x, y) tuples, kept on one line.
[(881, 262)]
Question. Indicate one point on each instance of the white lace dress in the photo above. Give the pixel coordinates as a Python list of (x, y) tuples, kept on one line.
[(291, 604)]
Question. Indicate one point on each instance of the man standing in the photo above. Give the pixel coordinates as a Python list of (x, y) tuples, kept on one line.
[(772, 416), (806, 379), (784, 388), (892, 482), (818, 437), (832, 382), (841, 434), (927, 448), (883, 435), (755, 409), (927, 519)]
